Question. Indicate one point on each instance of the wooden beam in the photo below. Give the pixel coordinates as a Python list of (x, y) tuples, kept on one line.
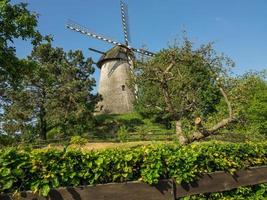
[(113, 191), (164, 190), (222, 181)]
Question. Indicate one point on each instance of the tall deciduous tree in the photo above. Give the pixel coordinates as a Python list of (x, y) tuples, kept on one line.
[(56, 96), (183, 83), (16, 22), (248, 94)]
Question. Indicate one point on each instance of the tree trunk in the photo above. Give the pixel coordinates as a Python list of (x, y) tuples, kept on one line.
[(203, 132), (43, 123), (179, 132)]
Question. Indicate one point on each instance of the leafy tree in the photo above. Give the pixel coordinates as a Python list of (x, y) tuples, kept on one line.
[(56, 97), (184, 84), (248, 94), (16, 22)]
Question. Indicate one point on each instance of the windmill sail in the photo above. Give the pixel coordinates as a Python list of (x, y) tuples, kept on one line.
[(124, 22), (78, 28)]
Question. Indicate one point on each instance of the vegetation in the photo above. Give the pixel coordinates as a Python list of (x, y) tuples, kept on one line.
[(36, 106), (16, 22), (30, 100), (131, 125), (78, 140), (40, 170), (192, 88), (182, 89)]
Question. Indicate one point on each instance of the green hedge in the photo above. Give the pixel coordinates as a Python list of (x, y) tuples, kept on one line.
[(40, 170)]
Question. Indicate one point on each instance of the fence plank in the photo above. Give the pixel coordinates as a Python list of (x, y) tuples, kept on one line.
[(164, 190), (222, 181), (113, 191)]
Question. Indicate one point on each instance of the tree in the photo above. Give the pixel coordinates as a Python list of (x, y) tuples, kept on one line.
[(184, 84), (55, 97), (248, 94), (16, 22)]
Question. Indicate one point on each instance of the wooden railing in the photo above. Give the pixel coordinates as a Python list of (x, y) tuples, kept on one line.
[(92, 139), (164, 190)]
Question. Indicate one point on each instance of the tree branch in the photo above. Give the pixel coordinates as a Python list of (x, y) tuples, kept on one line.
[(168, 68), (203, 132)]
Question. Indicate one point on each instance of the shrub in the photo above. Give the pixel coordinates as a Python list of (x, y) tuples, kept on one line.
[(122, 133), (40, 170), (78, 140)]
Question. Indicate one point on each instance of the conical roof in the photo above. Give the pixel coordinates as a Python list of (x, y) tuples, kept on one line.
[(118, 52)]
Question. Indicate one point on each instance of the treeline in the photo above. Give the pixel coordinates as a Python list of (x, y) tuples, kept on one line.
[(191, 87), (49, 93)]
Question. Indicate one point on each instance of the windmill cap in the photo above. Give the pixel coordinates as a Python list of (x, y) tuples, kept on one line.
[(119, 52)]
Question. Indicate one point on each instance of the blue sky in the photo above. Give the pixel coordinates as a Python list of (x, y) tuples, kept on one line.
[(238, 27)]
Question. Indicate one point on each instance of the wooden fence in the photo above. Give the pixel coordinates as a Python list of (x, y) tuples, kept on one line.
[(164, 190), (94, 139)]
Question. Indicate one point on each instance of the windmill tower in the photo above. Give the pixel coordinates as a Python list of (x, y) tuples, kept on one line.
[(115, 67)]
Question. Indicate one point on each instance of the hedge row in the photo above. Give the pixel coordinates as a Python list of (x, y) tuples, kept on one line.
[(40, 170)]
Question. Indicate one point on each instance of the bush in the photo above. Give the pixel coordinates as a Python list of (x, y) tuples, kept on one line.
[(40, 170), (78, 140), (122, 134)]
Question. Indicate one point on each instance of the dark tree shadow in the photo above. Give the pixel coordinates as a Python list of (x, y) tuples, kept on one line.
[(74, 193)]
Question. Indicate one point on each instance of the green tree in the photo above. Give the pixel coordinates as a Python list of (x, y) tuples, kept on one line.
[(248, 94), (56, 97), (16, 22), (183, 84)]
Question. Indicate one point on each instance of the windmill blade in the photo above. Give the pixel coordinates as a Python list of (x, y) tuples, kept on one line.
[(97, 51), (124, 22), (142, 51), (78, 28)]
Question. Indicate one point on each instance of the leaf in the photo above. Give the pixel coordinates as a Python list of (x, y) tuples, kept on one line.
[(45, 190), (99, 161), (89, 164), (17, 172), (35, 186), (72, 174), (5, 172), (128, 157), (55, 182), (8, 184)]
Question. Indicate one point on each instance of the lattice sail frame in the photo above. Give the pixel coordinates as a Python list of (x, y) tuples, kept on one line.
[(83, 30)]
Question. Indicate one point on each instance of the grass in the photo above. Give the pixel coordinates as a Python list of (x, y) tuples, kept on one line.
[(105, 145), (111, 145), (109, 125)]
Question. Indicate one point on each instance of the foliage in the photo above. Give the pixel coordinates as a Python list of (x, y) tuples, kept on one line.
[(16, 22), (192, 87), (78, 140), (190, 76), (56, 96), (182, 84), (41, 170), (107, 126), (122, 133), (249, 93)]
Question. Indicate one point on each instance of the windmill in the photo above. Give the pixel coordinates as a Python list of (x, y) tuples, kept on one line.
[(115, 67)]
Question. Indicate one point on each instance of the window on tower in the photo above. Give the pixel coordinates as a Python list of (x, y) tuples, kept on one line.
[(123, 87)]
